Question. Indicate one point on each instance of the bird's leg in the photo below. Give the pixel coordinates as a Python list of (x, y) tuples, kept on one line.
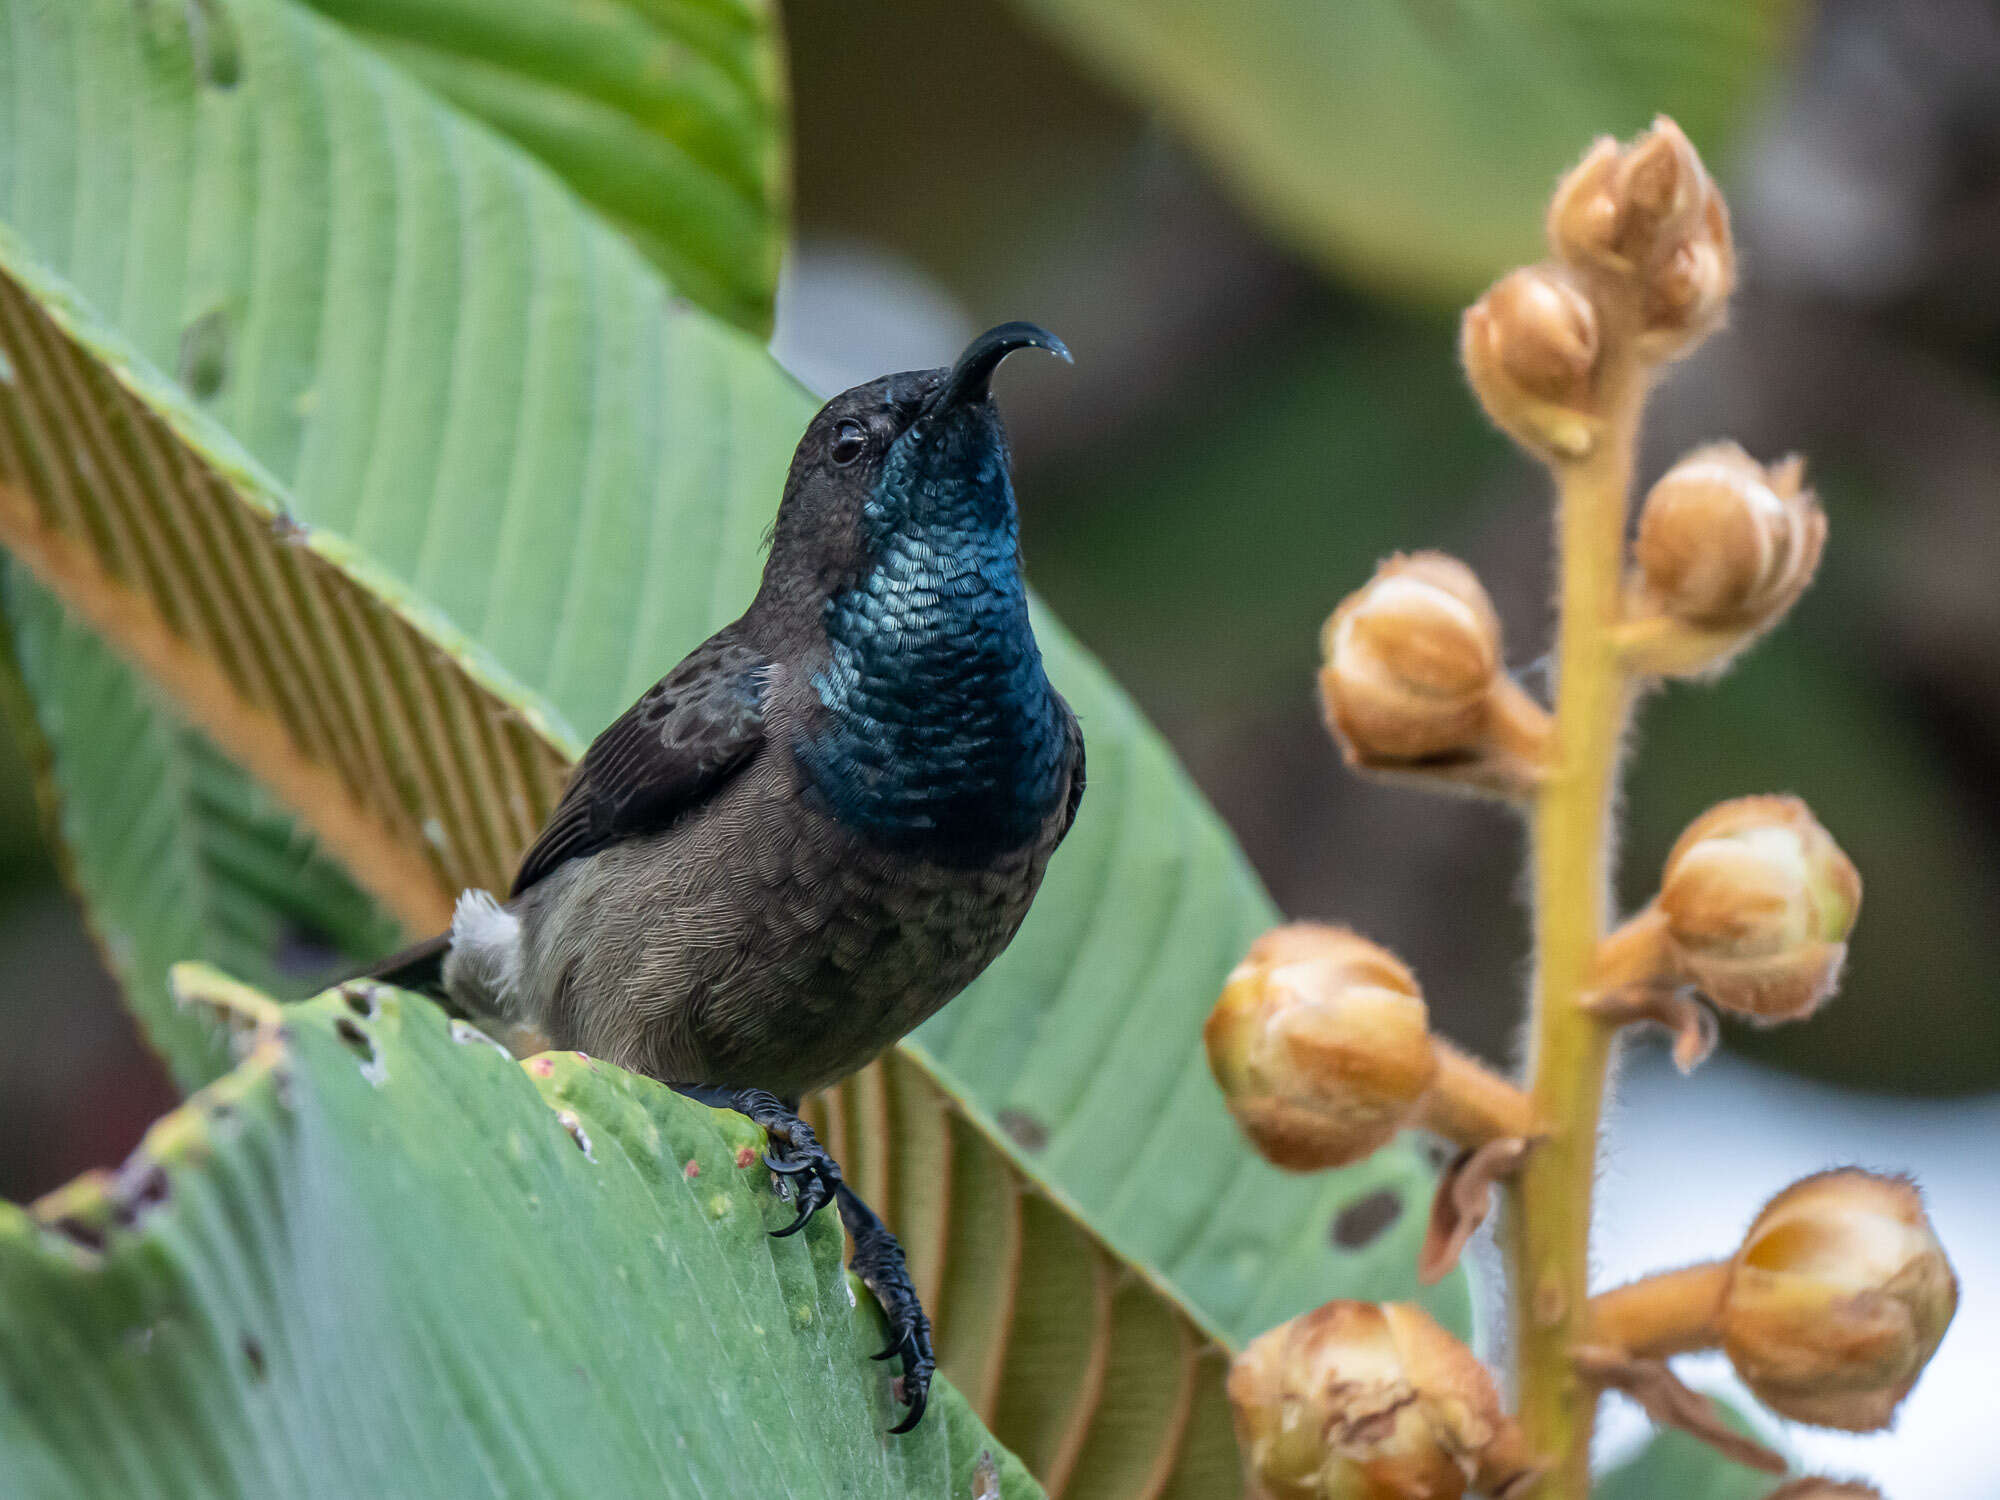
[(795, 1152), (878, 1261)]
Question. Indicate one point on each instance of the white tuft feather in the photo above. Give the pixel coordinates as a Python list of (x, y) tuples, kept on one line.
[(485, 959)]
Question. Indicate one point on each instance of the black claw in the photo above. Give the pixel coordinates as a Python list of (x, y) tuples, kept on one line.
[(917, 1405), (895, 1348), (796, 1225), (787, 1168)]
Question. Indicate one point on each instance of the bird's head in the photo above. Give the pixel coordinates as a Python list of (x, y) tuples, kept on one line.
[(918, 454)]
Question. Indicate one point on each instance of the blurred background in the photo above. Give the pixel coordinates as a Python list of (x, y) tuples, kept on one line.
[(1266, 401)]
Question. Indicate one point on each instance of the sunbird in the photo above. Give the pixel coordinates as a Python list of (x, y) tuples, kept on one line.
[(825, 822)]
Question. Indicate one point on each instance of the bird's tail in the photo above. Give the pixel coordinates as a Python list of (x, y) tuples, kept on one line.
[(480, 956), (418, 967)]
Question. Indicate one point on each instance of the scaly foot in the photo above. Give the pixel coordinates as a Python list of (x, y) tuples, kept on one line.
[(878, 1261), (795, 1152)]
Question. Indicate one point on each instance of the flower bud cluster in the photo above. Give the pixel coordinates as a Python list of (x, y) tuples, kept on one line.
[(1642, 271), (1355, 1401), (1322, 1047), (1647, 219), (1725, 547), (1411, 679)]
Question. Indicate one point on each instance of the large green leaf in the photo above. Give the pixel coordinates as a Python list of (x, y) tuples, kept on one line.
[(1406, 143), (1110, 1389), (350, 1268), (176, 853), (667, 116), (502, 414)]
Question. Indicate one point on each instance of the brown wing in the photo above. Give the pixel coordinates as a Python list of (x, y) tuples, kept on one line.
[(692, 731)]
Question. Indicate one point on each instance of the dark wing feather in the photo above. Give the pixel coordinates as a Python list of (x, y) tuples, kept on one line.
[(690, 733)]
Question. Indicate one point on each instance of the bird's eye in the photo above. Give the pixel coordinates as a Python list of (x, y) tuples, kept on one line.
[(850, 441)]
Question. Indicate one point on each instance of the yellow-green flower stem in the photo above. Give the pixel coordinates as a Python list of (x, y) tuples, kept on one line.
[(1670, 1312), (1548, 1237)]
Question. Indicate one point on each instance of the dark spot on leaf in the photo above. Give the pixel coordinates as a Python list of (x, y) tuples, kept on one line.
[(218, 54), (358, 1041), (360, 999), (204, 356), (1029, 1133), (1439, 1155), (1365, 1220), (253, 1355)]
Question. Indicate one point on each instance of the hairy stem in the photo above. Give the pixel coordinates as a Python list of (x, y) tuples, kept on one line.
[(1549, 1231)]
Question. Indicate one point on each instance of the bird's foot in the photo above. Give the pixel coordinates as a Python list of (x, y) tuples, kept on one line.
[(795, 1152), (878, 1261)]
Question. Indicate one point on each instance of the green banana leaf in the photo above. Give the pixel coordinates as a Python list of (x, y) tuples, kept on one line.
[(1109, 1388), (350, 1267), (1399, 143), (669, 117), (433, 486), (177, 853), (496, 479)]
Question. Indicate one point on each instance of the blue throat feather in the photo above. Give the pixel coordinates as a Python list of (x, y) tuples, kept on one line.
[(945, 736)]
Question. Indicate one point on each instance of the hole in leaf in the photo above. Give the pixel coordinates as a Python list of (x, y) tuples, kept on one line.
[(1366, 1220), (360, 1000), (204, 355), (77, 1232), (1028, 1133), (253, 1355), (140, 1185), (357, 1040), (362, 1046)]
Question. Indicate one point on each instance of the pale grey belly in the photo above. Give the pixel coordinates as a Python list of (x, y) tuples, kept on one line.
[(755, 948)]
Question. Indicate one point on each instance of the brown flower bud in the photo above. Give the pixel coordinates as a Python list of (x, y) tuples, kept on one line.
[(1355, 1401), (1322, 1047), (1411, 658), (1648, 218), (1759, 901), (1531, 347), (1686, 296), (1837, 1299), (1725, 547), (1411, 681), (1321, 1044)]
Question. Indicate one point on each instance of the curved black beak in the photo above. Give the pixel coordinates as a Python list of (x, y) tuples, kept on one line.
[(971, 376)]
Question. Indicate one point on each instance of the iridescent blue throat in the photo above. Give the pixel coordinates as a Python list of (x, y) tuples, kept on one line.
[(945, 735)]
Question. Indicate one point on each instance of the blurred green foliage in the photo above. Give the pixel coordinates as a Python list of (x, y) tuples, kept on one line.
[(1406, 145)]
